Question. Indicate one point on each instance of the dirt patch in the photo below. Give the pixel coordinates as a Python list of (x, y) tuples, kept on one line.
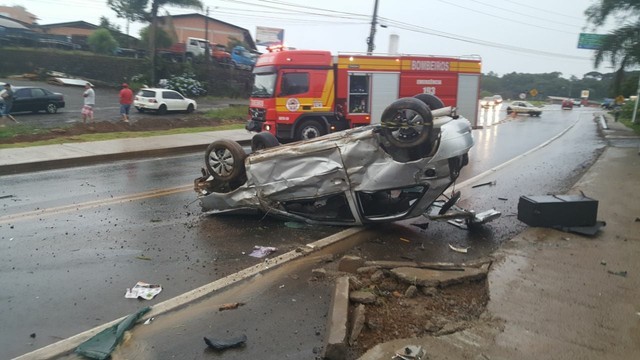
[(434, 313), (150, 123), (402, 310)]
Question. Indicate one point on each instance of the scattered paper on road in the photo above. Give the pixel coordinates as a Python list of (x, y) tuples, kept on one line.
[(143, 290), (458, 249), (262, 251)]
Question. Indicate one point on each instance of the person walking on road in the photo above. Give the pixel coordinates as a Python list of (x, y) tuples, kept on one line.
[(89, 102), (126, 98), (7, 97)]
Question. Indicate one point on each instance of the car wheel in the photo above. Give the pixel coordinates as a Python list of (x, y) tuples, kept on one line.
[(224, 160), (263, 140), (52, 108), (406, 123), (509, 111), (162, 110), (190, 109), (432, 101), (140, 110), (310, 129)]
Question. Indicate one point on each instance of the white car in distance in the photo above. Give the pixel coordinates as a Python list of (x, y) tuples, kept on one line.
[(162, 101)]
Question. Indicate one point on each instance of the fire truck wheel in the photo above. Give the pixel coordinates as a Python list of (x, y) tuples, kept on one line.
[(432, 101), (263, 140), (309, 129), (224, 160), (406, 123)]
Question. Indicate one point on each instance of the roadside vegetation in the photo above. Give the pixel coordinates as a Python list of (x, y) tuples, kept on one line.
[(228, 118), (626, 115)]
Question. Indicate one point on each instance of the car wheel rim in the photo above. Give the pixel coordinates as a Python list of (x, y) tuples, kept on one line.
[(409, 125), (221, 161), (310, 133)]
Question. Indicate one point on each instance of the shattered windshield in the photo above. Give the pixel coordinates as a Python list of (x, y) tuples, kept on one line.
[(264, 85)]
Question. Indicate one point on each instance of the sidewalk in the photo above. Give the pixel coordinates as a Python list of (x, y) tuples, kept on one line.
[(16, 160), (556, 295)]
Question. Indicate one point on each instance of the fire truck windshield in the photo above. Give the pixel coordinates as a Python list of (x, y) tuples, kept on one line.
[(264, 85)]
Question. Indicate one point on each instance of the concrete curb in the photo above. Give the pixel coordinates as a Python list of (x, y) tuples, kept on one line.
[(90, 159), (336, 346)]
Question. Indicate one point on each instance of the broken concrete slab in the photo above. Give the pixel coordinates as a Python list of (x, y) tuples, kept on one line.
[(358, 323), (350, 264), (336, 347), (431, 278), (362, 297)]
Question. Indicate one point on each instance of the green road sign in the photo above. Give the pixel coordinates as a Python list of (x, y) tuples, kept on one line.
[(590, 41)]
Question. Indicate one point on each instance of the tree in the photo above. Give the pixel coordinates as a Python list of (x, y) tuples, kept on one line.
[(130, 10), (155, 6), (102, 42), (163, 40), (622, 45)]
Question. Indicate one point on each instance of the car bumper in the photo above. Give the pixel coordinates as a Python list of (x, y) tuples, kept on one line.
[(146, 106)]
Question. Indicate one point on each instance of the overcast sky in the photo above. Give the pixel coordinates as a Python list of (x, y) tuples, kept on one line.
[(511, 36)]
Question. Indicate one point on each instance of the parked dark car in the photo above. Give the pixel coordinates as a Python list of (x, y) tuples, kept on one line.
[(35, 99)]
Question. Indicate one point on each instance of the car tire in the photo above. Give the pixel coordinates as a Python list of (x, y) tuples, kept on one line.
[(263, 140), (509, 111), (162, 110), (310, 129), (51, 108), (140, 110), (190, 109), (407, 123), (224, 160), (432, 101)]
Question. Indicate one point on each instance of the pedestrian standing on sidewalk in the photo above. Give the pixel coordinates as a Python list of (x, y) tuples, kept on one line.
[(89, 102), (126, 98), (7, 97)]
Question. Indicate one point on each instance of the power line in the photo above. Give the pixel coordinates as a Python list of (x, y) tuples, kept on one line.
[(415, 28), (527, 15), (506, 19), (546, 11)]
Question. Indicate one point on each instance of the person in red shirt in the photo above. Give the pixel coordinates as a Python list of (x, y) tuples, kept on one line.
[(126, 98)]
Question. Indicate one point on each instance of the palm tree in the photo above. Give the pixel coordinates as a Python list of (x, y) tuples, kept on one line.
[(155, 6), (622, 45)]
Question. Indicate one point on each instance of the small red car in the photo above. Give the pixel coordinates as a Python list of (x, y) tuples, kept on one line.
[(567, 104)]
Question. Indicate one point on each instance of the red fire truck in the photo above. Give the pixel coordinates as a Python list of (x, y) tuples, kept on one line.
[(301, 94)]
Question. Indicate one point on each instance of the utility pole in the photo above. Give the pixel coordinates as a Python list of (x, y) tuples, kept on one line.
[(372, 34), (634, 120), (207, 51)]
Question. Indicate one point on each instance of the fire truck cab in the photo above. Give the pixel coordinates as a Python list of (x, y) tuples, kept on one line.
[(302, 94)]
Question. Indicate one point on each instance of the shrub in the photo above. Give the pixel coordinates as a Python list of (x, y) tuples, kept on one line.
[(186, 85)]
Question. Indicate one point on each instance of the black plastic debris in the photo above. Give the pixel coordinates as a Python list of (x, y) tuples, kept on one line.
[(618, 273), (558, 210), (411, 352), (219, 345), (583, 230), (488, 183), (422, 226)]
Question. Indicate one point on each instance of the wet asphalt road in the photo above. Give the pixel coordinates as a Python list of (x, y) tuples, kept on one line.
[(73, 240)]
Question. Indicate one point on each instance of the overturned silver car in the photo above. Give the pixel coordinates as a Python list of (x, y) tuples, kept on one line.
[(377, 173)]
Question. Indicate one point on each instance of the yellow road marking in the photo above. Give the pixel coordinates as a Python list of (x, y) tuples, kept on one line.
[(27, 215)]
